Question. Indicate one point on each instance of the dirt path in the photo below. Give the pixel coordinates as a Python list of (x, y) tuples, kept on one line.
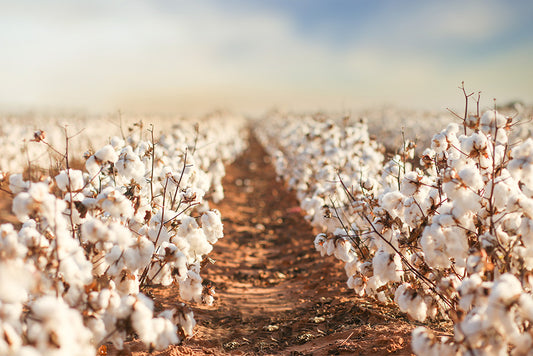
[(275, 294)]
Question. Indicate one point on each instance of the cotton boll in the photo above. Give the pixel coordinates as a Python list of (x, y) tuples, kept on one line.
[(387, 266), (141, 319), (212, 226), (191, 288), (321, 241), (72, 176), (392, 203), (18, 281), (433, 244), (129, 165), (492, 120), (506, 290), (471, 176), (139, 254), (467, 291), (410, 184), (357, 284), (106, 154), (56, 329), (17, 184), (343, 249), (114, 203)]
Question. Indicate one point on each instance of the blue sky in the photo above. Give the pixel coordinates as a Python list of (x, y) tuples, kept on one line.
[(194, 56)]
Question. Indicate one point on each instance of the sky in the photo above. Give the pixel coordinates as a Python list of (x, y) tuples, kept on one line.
[(165, 56)]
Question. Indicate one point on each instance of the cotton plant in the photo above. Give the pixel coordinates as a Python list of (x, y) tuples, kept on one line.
[(93, 240)]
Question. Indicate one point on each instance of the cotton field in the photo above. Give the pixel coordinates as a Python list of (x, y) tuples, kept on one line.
[(440, 225)]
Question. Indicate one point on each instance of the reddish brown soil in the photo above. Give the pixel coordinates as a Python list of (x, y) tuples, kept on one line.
[(275, 294)]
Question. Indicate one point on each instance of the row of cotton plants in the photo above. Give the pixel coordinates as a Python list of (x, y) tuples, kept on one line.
[(448, 237), (93, 240), (311, 153)]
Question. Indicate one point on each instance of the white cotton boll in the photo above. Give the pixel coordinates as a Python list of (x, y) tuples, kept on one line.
[(411, 302), (94, 230), (392, 203), (357, 284), (410, 184), (191, 288), (412, 214), (115, 203), (17, 281), (526, 306), (422, 344), (76, 180), (127, 283), (115, 261), (525, 231), (21, 206), (321, 241), (166, 333), (56, 329), (352, 267), (11, 340), (92, 166), (506, 290), (467, 291), (439, 143), (117, 142), (472, 328), (387, 266), (106, 154), (491, 120), (373, 284), (212, 226), (97, 327), (343, 250), (198, 244), (471, 176), (129, 165), (139, 254), (141, 319), (433, 244), (17, 184), (10, 245)]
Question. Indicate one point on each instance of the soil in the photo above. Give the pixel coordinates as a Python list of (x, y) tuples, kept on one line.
[(275, 294)]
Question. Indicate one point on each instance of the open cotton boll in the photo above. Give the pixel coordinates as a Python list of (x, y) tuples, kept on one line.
[(471, 176), (392, 203), (112, 201), (129, 165), (73, 177), (139, 254), (212, 226), (492, 120), (17, 184), (411, 302), (321, 242), (191, 288), (106, 154), (195, 236), (17, 280), (387, 266), (507, 289), (56, 329)]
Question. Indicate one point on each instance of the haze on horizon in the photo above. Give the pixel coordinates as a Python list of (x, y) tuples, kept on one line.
[(186, 56)]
